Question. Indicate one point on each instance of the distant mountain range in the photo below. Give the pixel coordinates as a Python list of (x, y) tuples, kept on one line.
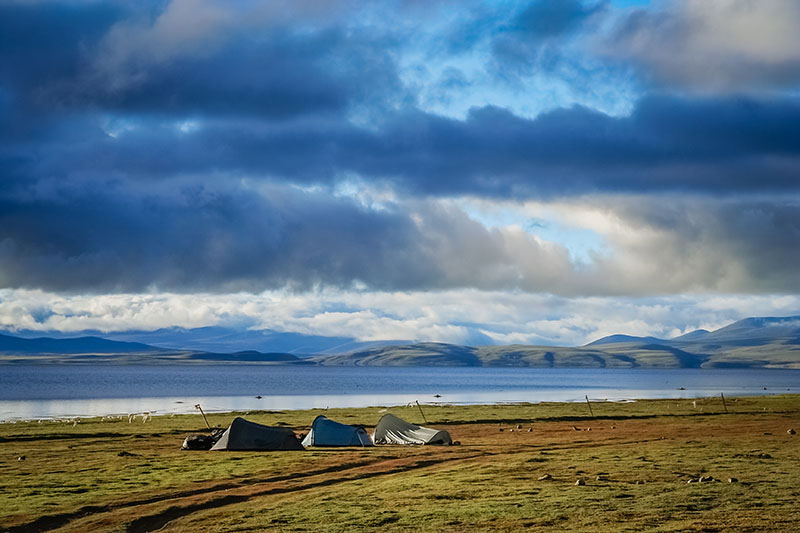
[(219, 339), (765, 342), (93, 349)]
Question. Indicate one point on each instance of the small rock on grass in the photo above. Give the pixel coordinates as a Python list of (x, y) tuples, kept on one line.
[(791, 431), (21, 458), (732, 480), (580, 482), (545, 477)]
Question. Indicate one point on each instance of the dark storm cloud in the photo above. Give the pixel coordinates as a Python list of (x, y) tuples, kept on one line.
[(137, 141), (46, 43), (58, 59), (42, 46), (283, 77), (198, 239), (666, 144), (722, 146), (272, 101), (195, 238)]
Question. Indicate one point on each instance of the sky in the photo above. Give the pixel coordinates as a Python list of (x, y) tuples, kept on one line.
[(473, 172)]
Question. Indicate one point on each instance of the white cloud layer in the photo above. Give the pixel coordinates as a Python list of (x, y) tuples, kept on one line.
[(455, 316)]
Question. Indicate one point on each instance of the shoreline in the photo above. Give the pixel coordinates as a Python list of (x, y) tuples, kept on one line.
[(188, 409)]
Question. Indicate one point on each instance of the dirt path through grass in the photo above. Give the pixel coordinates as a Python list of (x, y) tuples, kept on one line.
[(154, 515)]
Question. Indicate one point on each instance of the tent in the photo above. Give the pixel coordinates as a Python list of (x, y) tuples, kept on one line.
[(326, 432), (393, 430), (245, 435)]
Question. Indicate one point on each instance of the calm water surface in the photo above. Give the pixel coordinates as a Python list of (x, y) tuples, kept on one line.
[(30, 392)]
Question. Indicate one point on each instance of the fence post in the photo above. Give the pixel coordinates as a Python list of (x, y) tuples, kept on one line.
[(420, 411), (197, 406)]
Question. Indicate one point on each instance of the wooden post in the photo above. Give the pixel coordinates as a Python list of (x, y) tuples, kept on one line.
[(723, 402), (197, 406), (420, 412), (589, 404)]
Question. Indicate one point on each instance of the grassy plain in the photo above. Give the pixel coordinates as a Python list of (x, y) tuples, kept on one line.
[(634, 458)]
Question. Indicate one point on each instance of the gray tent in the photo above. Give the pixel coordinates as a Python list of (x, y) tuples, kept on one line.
[(245, 435), (326, 432), (393, 430)]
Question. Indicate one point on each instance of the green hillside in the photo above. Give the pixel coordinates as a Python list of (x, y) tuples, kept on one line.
[(750, 343)]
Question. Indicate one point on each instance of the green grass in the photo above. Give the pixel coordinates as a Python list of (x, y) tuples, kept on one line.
[(489, 482)]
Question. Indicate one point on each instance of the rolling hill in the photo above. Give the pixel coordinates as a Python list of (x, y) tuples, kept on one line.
[(761, 342), (78, 345), (765, 342), (91, 349)]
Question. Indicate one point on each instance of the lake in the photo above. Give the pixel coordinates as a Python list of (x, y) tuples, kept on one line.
[(62, 391)]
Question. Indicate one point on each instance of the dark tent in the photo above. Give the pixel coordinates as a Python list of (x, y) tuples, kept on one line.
[(244, 435)]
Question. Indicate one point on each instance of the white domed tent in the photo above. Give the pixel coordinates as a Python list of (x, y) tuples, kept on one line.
[(326, 432), (244, 435), (393, 430)]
